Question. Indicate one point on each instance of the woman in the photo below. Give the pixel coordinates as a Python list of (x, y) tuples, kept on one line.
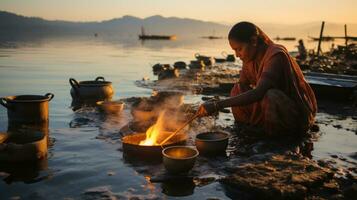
[(272, 92)]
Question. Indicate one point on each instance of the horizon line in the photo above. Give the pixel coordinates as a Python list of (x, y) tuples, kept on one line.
[(142, 18)]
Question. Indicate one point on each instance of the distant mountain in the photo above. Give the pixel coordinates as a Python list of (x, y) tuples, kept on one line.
[(125, 26), (16, 25)]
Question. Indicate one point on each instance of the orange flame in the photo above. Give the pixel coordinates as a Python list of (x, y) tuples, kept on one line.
[(153, 133)]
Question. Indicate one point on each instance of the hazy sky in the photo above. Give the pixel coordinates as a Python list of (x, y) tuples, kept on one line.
[(228, 11)]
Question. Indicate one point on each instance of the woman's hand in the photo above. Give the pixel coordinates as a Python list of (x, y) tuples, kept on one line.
[(207, 108)]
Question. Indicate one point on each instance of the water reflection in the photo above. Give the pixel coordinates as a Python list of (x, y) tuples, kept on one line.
[(178, 187), (23, 154), (53, 60), (133, 43), (27, 172)]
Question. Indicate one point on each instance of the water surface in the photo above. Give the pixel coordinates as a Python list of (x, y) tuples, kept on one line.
[(77, 161)]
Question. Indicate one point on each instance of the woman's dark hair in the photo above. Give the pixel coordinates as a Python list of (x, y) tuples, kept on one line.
[(244, 31)]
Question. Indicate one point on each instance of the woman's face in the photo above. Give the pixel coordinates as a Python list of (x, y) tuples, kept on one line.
[(245, 51)]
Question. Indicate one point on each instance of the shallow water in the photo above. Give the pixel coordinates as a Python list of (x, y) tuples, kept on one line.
[(79, 165)]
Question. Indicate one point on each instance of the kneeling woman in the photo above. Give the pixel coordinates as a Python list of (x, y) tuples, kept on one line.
[(272, 92)]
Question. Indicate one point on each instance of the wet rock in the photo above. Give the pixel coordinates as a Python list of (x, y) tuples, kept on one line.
[(102, 192), (203, 181), (80, 122), (338, 126), (351, 192), (334, 156), (353, 155), (331, 186), (352, 177), (110, 173), (270, 179), (315, 128), (324, 163)]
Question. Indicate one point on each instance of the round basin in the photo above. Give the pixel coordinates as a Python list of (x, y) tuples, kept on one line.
[(179, 159), (212, 143)]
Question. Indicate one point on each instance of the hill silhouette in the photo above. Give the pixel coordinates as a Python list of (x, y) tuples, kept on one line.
[(17, 25)]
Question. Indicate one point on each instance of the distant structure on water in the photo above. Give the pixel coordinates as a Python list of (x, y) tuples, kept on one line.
[(323, 38), (212, 37), (285, 38), (143, 36)]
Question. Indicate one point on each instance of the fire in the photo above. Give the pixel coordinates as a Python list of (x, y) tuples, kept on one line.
[(153, 133)]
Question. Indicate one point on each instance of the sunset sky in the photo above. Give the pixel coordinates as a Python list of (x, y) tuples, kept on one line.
[(227, 11)]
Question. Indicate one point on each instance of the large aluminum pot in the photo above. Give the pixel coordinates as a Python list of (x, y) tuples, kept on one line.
[(98, 89), (27, 108)]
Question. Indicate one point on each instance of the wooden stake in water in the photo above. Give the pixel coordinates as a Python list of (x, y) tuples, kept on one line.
[(178, 130), (320, 39)]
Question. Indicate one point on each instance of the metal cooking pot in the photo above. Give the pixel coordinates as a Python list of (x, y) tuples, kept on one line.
[(157, 68), (99, 89), (212, 143), (220, 60), (168, 73), (132, 148), (180, 65), (197, 64), (27, 108), (207, 60), (179, 159), (229, 57)]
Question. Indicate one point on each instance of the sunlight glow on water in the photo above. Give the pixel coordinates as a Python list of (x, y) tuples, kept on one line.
[(78, 161)]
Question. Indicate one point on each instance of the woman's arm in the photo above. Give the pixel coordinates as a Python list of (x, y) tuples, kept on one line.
[(242, 99), (248, 97), (270, 76)]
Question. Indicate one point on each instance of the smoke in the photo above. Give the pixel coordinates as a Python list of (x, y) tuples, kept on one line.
[(146, 110)]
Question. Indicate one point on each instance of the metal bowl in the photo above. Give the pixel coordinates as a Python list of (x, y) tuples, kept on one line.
[(110, 107), (212, 143), (179, 159)]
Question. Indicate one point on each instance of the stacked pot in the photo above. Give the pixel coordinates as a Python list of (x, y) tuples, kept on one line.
[(27, 136)]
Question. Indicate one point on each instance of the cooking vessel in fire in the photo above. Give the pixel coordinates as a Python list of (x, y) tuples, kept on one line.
[(132, 148)]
